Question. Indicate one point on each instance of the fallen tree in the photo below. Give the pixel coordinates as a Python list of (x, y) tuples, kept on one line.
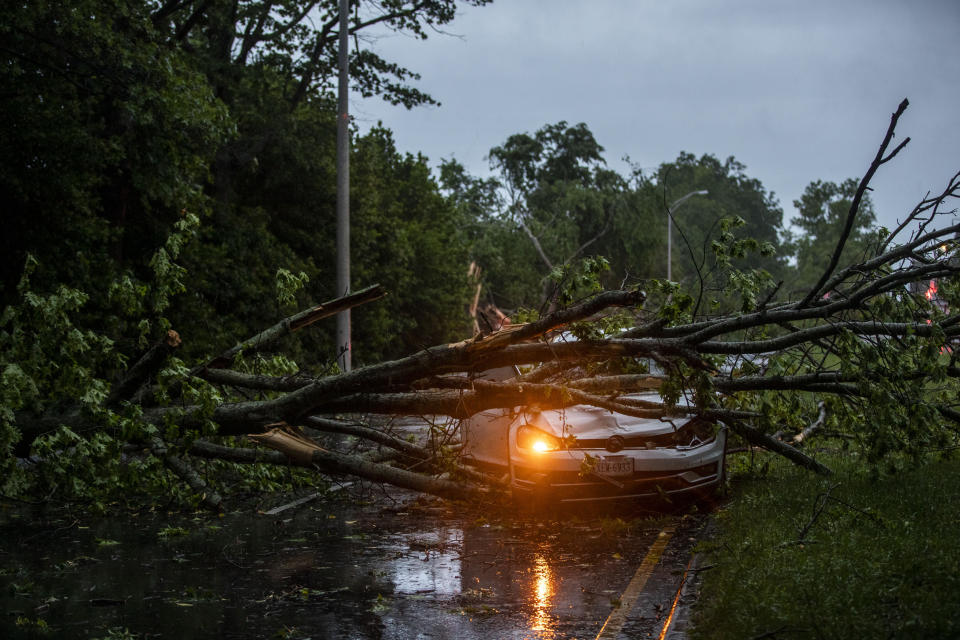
[(868, 347)]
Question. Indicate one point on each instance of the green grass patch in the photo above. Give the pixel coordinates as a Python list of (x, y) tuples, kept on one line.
[(850, 556)]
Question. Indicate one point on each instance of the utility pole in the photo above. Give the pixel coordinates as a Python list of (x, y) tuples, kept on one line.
[(344, 344), (676, 204)]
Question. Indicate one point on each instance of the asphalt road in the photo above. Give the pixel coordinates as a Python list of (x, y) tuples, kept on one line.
[(374, 563), (422, 568), (614, 575)]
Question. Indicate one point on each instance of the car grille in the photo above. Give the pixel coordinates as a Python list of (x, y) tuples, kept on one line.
[(570, 485)]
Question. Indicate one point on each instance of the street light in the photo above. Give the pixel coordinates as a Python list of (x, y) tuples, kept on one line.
[(670, 211)]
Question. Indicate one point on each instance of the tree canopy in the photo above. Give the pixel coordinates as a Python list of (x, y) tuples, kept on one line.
[(123, 114), (553, 201), (823, 208)]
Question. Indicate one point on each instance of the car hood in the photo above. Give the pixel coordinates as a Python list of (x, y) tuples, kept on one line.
[(592, 422)]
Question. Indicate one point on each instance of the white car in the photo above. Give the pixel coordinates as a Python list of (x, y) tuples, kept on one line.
[(588, 454)]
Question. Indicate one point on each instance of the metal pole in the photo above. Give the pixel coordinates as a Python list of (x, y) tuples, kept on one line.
[(344, 345), (670, 211), (669, 245)]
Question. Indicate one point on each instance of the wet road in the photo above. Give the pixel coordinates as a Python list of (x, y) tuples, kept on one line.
[(367, 565)]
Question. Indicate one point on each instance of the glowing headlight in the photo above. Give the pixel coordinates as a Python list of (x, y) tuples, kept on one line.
[(534, 439)]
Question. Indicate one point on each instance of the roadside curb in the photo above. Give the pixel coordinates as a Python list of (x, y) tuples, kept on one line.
[(680, 623)]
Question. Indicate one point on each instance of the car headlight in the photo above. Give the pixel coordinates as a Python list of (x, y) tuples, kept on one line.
[(529, 437)]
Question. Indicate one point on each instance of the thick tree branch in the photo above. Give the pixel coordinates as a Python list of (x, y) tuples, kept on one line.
[(211, 499), (306, 454), (148, 364), (231, 378), (362, 431), (204, 449), (755, 436), (620, 383), (184, 28), (814, 426), (822, 331), (296, 322), (167, 9), (536, 244), (855, 204)]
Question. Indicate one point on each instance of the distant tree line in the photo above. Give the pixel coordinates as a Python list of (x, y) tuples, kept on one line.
[(553, 201)]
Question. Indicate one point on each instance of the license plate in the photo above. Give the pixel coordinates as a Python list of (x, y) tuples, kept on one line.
[(614, 467)]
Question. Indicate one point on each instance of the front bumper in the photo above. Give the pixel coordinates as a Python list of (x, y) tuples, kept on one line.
[(556, 475)]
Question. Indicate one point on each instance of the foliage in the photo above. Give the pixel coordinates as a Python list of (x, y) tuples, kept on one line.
[(287, 286), (578, 279), (50, 360), (107, 133), (408, 238), (822, 215), (46, 361), (553, 201), (729, 250), (125, 113), (879, 407), (506, 257), (300, 37), (857, 555), (405, 236), (557, 190), (731, 195)]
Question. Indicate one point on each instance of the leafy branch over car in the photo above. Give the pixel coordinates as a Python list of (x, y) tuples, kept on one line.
[(862, 351)]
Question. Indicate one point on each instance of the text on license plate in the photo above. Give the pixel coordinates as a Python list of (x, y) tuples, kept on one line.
[(615, 467)]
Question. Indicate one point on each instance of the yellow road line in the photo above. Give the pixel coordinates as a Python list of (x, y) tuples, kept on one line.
[(618, 617)]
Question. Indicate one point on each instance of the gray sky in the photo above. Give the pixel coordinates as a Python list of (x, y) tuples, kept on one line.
[(796, 91)]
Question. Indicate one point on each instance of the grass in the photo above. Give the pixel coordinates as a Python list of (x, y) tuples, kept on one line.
[(851, 556)]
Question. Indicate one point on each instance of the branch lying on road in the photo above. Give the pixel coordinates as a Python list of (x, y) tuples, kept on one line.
[(302, 452)]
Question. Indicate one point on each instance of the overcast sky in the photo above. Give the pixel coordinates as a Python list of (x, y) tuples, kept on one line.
[(796, 91)]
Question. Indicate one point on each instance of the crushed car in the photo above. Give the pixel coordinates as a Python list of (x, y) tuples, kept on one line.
[(588, 454)]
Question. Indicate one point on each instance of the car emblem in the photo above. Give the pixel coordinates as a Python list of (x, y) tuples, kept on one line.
[(615, 443)]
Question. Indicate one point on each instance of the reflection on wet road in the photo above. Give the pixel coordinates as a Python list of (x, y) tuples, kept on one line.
[(408, 569), (542, 592)]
